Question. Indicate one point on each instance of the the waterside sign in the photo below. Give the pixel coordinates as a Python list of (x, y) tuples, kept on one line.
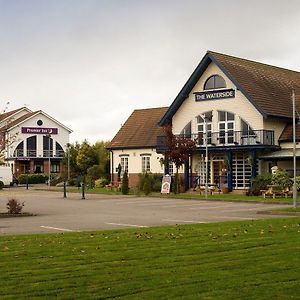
[(213, 95), (39, 130)]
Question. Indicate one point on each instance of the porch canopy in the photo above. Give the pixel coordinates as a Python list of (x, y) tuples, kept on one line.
[(284, 154)]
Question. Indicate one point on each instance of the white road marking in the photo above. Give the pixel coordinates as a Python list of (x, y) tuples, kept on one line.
[(121, 224), (183, 221), (55, 228), (229, 217)]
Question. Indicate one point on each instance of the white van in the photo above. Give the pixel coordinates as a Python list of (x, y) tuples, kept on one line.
[(6, 175)]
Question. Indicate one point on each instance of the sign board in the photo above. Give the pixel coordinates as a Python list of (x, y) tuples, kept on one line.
[(166, 184), (39, 130), (213, 95)]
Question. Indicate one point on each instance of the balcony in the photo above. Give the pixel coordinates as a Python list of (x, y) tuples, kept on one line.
[(255, 138)]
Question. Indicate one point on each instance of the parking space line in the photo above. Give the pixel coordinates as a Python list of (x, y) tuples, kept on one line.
[(55, 228), (183, 221), (127, 225)]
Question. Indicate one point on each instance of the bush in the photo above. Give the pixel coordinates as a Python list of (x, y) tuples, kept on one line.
[(154, 184), (14, 206), (282, 178), (32, 178), (72, 182), (101, 182), (125, 188), (1, 185), (260, 182)]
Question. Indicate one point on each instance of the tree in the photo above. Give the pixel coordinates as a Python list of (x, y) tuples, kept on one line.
[(86, 157), (178, 150)]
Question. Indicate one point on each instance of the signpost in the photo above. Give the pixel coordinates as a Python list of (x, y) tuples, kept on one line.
[(166, 184)]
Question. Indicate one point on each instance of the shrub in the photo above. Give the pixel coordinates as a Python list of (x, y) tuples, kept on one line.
[(125, 187), (14, 206), (282, 178), (72, 182), (33, 178), (101, 182), (154, 182), (1, 185), (147, 184), (260, 182)]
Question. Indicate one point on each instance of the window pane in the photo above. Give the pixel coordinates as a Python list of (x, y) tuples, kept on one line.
[(221, 115), (230, 116), (208, 116), (219, 82), (210, 83), (199, 119)]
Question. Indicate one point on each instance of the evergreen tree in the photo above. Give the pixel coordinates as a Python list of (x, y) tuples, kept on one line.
[(125, 187)]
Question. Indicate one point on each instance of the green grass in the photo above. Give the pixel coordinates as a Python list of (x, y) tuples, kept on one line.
[(235, 260)]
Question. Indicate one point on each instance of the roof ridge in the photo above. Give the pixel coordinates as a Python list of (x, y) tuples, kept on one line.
[(252, 61)]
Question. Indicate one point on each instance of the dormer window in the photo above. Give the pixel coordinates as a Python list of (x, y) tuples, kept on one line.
[(214, 82)]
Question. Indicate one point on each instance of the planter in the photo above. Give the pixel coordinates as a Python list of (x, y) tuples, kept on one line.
[(225, 190)]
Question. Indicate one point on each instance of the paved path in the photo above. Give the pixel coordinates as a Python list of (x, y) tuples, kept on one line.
[(56, 214)]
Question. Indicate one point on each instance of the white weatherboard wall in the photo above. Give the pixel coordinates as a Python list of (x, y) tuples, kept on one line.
[(239, 105), (135, 160)]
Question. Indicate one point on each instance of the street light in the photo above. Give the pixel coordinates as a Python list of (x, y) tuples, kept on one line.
[(49, 160), (294, 150), (68, 147)]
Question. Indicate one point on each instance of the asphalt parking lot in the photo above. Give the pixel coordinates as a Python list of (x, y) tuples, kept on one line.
[(57, 214)]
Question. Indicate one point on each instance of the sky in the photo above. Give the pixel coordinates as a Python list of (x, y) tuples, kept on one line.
[(90, 63)]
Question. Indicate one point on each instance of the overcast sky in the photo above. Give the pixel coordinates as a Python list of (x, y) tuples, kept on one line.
[(90, 63)]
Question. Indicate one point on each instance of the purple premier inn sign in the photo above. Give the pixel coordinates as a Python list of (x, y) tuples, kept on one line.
[(39, 130)]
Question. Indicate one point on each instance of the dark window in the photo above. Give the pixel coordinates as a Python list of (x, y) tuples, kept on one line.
[(40, 122), (46, 152), (19, 150), (59, 150), (31, 146), (187, 130), (214, 82)]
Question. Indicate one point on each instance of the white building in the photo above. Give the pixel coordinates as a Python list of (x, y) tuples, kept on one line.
[(29, 139)]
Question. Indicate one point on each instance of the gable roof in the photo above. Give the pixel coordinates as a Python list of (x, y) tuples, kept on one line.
[(267, 87), (28, 116), (287, 133), (11, 113), (140, 130)]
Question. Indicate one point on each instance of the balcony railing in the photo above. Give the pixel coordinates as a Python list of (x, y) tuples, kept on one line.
[(227, 138), (33, 153)]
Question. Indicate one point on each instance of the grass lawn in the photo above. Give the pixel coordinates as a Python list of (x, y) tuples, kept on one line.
[(235, 260)]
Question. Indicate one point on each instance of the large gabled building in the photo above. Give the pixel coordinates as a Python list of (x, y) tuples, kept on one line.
[(241, 111), (29, 140)]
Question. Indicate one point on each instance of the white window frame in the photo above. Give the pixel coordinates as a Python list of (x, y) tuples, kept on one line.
[(124, 164), (146, 163)]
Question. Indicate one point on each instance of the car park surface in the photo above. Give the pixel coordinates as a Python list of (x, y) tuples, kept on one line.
[(53, 213)]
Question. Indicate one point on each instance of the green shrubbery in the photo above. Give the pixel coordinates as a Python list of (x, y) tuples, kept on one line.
[(149, 182), (32, 178), (125, 187)]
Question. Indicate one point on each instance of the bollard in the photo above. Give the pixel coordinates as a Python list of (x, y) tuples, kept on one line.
[(27, 182), (83, 195), (65, 189)]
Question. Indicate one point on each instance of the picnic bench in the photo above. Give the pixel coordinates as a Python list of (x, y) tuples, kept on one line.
[(212, 189), (275, 190)]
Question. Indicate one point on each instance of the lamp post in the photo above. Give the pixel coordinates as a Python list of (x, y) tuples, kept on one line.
[(68, 147), (49, 160), (294, 150)]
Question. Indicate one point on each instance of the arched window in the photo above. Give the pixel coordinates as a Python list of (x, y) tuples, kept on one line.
[(59, 150), (31, 146), (214, 82), (19, 152)]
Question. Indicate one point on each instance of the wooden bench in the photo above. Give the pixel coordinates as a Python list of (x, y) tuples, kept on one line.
[(275, 190)]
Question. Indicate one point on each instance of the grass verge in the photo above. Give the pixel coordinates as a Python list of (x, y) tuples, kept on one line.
[(234, 260)]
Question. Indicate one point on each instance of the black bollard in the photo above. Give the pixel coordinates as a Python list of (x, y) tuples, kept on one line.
[(83, 187), (65, 189), (27, 182)]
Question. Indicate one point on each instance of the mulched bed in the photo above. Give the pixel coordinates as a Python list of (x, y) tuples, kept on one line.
[(24, 214)]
